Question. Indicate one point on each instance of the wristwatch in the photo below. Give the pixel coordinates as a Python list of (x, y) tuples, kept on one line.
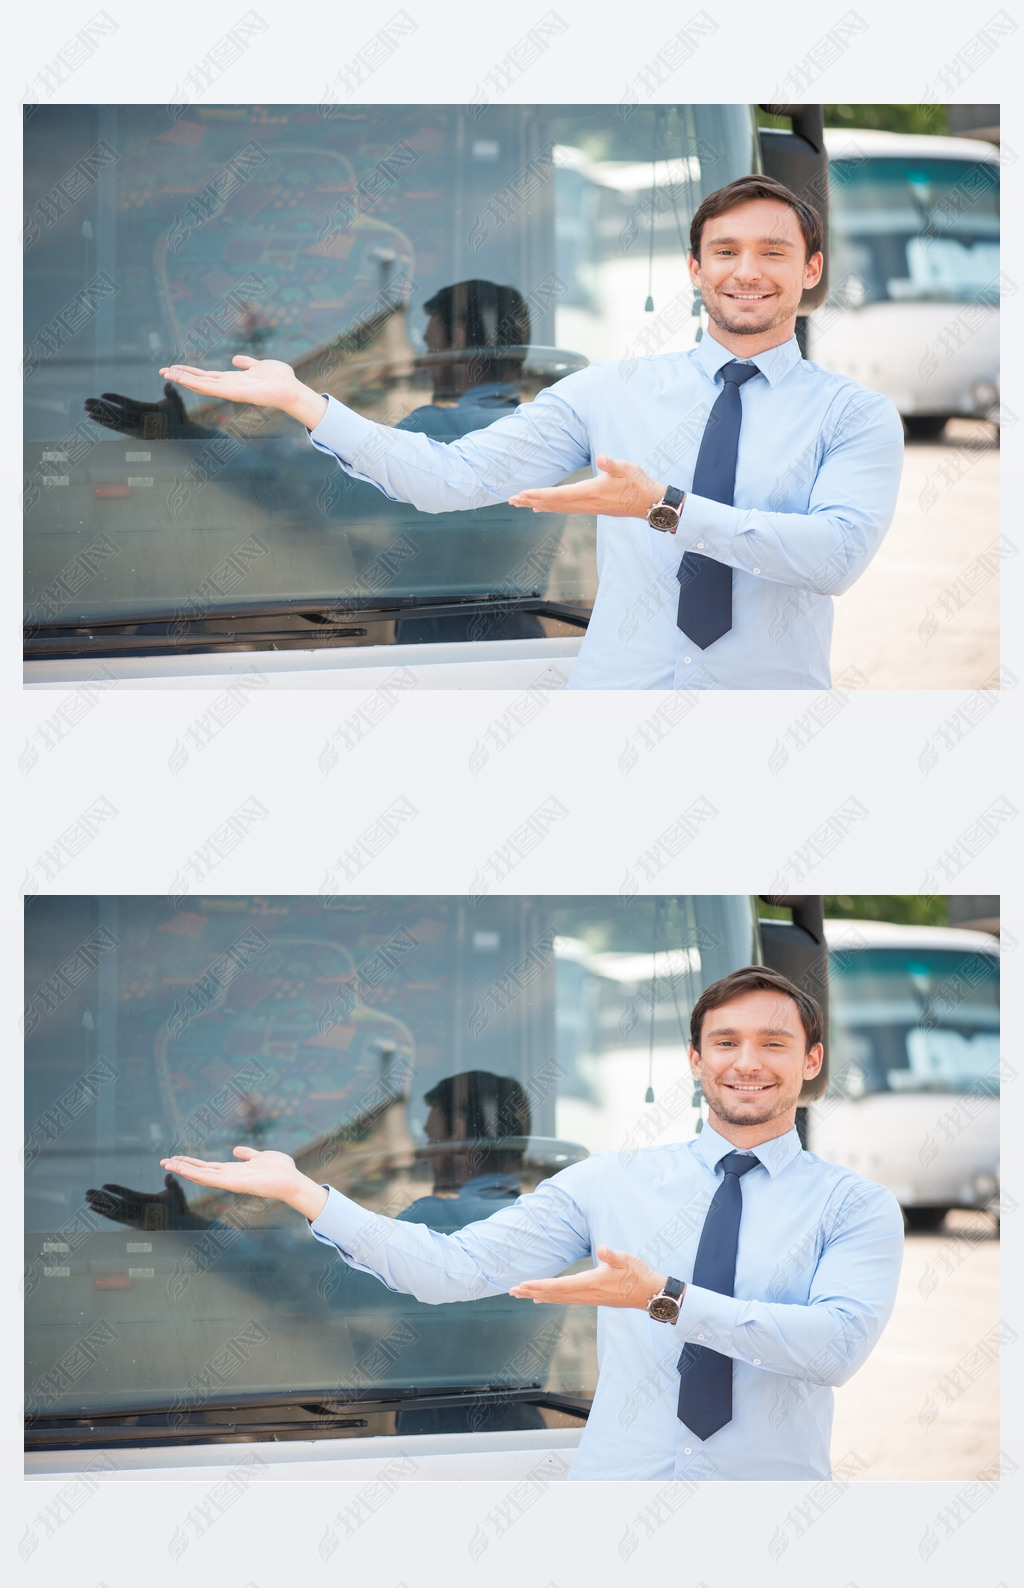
[(664, 1307), (665, 514)]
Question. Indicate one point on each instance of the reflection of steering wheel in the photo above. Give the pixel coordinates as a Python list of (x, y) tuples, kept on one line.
[(267, 273), (283, 1054)]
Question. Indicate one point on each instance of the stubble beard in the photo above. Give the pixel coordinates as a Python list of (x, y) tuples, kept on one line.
[(771, 320), (720, 1106)]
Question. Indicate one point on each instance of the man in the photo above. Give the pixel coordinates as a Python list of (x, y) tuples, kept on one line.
[(788, 512), (815, 1251)]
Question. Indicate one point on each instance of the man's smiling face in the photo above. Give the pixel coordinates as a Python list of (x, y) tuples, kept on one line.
[(752, 273), (752, 1064)]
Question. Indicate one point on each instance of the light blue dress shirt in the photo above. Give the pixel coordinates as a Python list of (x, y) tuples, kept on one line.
[(816, 1274), (817, 475)]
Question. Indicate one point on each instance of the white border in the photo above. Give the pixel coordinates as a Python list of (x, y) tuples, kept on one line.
[(571, 752)]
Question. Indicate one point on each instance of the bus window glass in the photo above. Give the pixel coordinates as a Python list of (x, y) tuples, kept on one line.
[(430, 266), (915, 1020), (431, 1057), (914, 228)]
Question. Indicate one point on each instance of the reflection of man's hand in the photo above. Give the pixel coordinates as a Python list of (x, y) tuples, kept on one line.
[(148, 421), (618, 490), (144, 1210), (619, 1280)]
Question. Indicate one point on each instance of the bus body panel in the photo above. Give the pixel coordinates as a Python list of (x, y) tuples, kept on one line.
[(543, 1455), (913, 354), (500, 664), (930, 1150)]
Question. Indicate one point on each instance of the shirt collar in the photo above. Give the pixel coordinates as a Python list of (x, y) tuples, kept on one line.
[(774, 1154), (774, 364)]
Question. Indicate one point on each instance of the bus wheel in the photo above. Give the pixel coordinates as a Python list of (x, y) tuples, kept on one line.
[(924, 1218), (923, 427)]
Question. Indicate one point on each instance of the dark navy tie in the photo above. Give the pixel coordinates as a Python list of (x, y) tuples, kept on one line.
[(705, 1388), (705, 596)]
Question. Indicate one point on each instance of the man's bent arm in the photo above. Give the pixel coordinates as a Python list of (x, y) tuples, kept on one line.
[(539, 444), (851, 505), (851, 1298), (542, 1233)]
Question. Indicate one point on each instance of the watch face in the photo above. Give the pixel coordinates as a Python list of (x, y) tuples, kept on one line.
[(663, 1309), (662, 517)]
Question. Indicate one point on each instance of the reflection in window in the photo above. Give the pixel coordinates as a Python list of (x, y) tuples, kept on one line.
[(431, 1057), (428, 266)]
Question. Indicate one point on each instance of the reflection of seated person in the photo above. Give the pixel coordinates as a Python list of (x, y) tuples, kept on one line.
[(476, 339), (474, 1172)]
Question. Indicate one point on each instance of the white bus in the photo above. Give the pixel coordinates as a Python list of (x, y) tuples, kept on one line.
[(913, 308), (173, 541), (913, 1098), (433, 1057)]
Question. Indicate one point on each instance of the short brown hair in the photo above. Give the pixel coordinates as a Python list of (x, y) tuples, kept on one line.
[(742, 191), (758, 978)]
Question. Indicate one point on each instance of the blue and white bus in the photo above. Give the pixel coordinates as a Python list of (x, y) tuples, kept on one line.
[(913, 308)]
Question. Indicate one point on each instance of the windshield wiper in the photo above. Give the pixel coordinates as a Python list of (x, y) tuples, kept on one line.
[(327, 1413), (272, 625), (319, 1414)]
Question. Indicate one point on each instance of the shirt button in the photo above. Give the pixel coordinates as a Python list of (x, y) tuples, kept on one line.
[(686, 659), (757, 1361), (700, 545), (687, 1451), (757, 570), (700, 1337)]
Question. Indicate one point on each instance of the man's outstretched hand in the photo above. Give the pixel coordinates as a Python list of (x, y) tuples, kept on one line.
[(264, 382), (146, 1210), (618, 490), (258, 1174), (619, 1280)]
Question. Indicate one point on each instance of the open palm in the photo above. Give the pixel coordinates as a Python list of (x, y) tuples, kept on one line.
[(617, 490), (265, 382), (619, 1280), (258, 1174)]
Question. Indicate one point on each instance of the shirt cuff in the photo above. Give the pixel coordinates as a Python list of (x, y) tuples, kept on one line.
[(708, 1318), (709, 527), (343, 1223), (341, 431)]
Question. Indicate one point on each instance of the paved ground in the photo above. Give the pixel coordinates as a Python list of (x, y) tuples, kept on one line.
[(926, 613), (925, 1405)]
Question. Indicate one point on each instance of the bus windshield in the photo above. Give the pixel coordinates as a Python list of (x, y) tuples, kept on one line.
[(430, 266), (908, 228), (432, 1057), (914, 1020)]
